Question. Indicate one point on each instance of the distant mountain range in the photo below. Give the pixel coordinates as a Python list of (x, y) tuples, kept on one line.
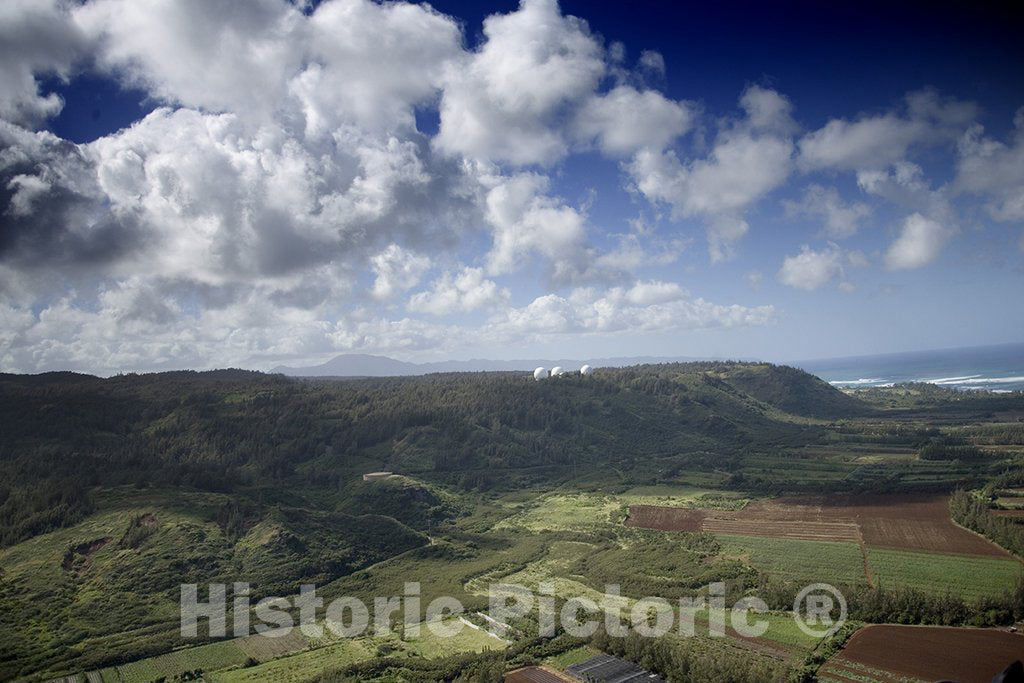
[(365, 365)]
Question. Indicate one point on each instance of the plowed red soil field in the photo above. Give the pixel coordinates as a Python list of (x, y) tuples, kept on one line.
[(910, 522), (887, 653), (665, 518)]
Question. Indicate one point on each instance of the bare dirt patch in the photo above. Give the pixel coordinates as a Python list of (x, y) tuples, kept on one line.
[(665, 518), (967, 655), (911, 523), (79, 558)]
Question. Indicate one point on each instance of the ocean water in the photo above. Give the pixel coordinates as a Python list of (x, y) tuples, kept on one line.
[(992, 368)]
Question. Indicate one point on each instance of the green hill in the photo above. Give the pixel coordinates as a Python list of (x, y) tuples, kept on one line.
[(791, 390)]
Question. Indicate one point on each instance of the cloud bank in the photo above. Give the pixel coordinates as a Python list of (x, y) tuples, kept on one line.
[(286, 201)]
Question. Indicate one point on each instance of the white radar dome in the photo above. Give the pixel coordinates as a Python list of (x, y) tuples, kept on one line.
[(557, 370), (586, 370), (540, 373)]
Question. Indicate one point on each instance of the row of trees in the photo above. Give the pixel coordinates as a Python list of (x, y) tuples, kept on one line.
[(973, 512), (939, 449), (902, 605)]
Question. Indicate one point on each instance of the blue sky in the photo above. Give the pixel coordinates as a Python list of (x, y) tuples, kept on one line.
[(209, 184)]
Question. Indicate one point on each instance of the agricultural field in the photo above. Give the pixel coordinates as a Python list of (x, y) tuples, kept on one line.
[(892, 541), (785, 529), (227, 654), (1009, 503), (292, 658), (897, 654), (566, 659), (303, 665), (916, 522), (935, 573), (782, 638), (594, 511), (535, 674), (665, 518), (799, 560), (263, 649), (206, 657)]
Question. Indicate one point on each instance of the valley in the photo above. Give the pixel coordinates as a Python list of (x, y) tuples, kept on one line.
[(661, 480)]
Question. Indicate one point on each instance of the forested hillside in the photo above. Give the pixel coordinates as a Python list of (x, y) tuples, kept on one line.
[(228, 430)]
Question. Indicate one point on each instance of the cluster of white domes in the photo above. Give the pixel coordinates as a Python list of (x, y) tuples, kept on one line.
[(558, 371)]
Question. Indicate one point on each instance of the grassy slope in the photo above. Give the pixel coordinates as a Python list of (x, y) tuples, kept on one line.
[(791, 390), (104, 598)]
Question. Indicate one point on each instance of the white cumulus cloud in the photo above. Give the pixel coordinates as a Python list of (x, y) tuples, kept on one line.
[(397, 270), (643, 307), (749, 158), (811, 269), (840, 219), (920, 241), (994, 169), (508, 101), (466, 291), (871, 142), (525, 219), (626, 120)]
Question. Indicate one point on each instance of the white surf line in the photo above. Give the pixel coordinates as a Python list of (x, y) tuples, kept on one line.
[(984, 380), (943, 380), (857, 381)]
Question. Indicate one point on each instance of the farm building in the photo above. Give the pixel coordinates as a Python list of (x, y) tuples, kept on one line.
[(376, 476), (608, 669)]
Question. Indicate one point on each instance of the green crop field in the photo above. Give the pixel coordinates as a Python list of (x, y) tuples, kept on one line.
[(206, 657), (209, 657), (431, 645), (303, 665), (300, 666), (961, 575), (783, 629), (574, 656), (797, 560)]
